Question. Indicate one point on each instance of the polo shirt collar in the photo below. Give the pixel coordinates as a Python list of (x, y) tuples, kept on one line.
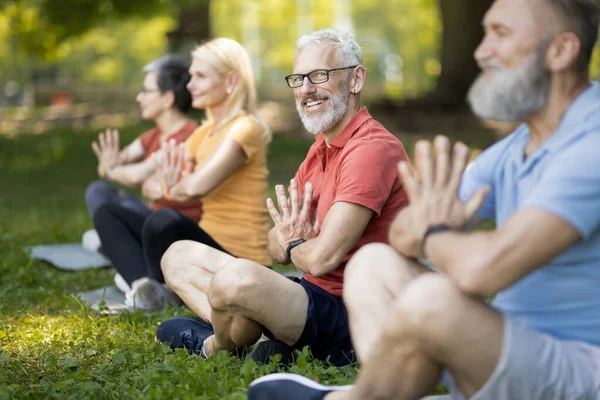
[(576, 116), (356, 122)]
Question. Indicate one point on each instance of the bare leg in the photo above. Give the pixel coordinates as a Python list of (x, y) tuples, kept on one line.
[(188, 268), (432, 325), (244, 296), (374, 278)]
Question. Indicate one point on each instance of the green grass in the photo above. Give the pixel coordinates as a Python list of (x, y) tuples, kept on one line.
[(52, 345)]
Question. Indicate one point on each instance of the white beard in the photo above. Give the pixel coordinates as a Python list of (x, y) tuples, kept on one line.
[(338, 106), (512, 95)]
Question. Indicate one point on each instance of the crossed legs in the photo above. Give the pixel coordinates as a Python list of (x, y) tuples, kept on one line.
[(237, 296), (408, 324)]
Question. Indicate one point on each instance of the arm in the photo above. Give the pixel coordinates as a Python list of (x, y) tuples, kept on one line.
[(481, 263), (132, 175), (226, 160), (342, 227), (132, 153), (276, 250)]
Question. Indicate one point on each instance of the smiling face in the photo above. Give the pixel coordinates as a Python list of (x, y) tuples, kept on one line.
[(207, 87), (515, 80), (151, 101), (321, 106)]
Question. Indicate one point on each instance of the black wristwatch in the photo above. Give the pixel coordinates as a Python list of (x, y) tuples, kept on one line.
[(437, 228), (290, 246)]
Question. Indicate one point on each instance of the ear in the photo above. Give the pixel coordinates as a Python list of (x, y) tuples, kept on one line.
[(359, 77), (168, 99), (231, 81), (563, 52)]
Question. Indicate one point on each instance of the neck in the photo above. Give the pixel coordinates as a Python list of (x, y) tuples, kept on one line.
[(544, 123), (170, 122), (219, 112), (353, 107)]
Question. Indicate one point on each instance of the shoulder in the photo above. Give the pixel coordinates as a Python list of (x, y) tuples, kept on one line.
[(375, 142), (247, 123)]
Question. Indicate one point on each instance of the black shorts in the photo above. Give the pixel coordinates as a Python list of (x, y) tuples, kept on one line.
[(326, 330)]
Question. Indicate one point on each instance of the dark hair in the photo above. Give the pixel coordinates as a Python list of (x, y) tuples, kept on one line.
[(172, 75), (582, 18)]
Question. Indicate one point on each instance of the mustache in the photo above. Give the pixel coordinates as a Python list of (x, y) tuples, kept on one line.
[(487, 64), (305, 98)]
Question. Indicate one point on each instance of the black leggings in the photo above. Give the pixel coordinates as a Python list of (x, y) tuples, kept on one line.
[(136, 244)]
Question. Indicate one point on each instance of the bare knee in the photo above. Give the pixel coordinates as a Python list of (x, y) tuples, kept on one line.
[(376, 266), (174, 262), (232, 284), (426, 305)]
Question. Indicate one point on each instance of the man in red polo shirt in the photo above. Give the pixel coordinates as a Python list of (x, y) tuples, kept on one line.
[(344, 196)]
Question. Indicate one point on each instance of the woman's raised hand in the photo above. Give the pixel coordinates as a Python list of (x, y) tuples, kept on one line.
[(107, 151)]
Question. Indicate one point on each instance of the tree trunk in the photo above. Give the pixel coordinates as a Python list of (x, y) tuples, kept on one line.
[(193, 27), (462, 34)]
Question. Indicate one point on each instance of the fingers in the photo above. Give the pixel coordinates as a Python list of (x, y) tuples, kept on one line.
[(96, 149), (476, 201), (275, 216), (424, 163), (282, 201), (115, 139), (460, 158), (306, 200), (409, 182), (102, 140), (294, 198), (441, 146), (316, 225)]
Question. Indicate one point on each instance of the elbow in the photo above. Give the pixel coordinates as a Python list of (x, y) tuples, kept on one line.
[(473, 277), (321, 264)]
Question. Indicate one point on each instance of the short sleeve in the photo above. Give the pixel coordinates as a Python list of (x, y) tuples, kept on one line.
[(570, 186), (192, 142), (367, 175), (248, 133), (147, 138)]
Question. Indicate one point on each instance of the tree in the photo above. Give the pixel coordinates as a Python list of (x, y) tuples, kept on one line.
[(462, 34)]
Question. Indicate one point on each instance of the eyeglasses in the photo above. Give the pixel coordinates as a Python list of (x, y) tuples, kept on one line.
[(314, 77)]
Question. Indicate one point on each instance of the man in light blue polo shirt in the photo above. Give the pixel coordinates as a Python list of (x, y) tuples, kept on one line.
[(540, 338)]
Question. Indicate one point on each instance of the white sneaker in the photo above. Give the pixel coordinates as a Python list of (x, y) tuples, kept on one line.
[(121, 283), (91, 241)]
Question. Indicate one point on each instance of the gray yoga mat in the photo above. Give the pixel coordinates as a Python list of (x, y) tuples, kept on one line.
[(71, 256), (113, 298)]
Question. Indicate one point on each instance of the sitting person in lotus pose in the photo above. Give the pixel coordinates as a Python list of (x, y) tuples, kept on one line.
[(344, 196), (229, 153)]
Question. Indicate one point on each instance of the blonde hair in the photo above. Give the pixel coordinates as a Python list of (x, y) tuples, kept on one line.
[(226, 55)]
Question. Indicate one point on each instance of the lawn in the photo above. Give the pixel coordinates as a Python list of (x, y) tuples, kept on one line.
[(52, 345)]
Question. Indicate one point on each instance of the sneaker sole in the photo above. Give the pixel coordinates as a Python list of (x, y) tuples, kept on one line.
[(302, 380)]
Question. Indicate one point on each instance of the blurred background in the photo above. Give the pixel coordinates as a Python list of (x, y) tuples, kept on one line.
[(77, 63)]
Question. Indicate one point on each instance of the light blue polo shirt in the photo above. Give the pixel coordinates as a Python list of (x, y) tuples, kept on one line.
[(562, 177)]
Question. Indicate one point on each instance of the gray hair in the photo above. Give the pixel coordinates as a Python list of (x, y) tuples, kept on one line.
[(582, 17), (348, 51)]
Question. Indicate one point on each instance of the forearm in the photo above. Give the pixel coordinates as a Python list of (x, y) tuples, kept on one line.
[(132, 175), (276, 251), (312, 258), (466, 259)]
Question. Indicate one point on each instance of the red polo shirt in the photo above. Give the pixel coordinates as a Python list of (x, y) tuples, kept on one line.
[(359, 167)]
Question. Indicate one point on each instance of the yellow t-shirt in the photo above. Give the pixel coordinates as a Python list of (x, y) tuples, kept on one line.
[(235, 213)]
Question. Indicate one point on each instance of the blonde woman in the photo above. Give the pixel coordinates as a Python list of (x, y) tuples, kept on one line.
[(228, 152)]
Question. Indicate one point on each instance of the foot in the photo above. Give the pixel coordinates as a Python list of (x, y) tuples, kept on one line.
[(188, 332), (290, 387), (262, 352), (151, 296), (121, 283)]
